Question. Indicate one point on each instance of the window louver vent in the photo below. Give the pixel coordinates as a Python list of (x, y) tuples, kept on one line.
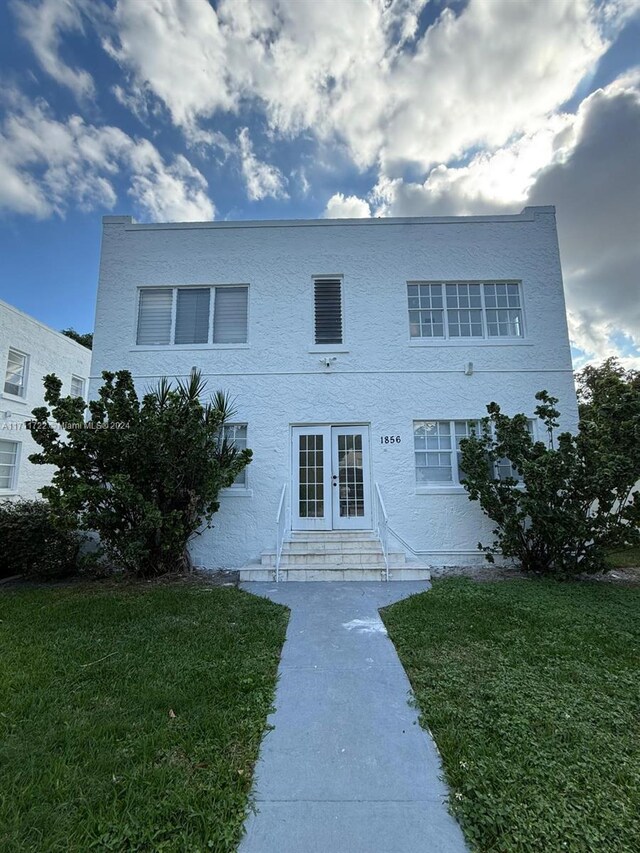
[(328, 310)]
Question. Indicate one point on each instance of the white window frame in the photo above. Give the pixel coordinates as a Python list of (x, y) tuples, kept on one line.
[(239, 489), (313, 346), (25, 381), (84, 385), (13, 488), (174, 302), (453, 486), (485, 338)]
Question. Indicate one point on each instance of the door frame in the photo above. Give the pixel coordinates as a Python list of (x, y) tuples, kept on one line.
[(326, 523)]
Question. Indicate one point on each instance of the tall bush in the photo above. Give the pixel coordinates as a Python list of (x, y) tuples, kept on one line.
[(570, 497), (144, 474)]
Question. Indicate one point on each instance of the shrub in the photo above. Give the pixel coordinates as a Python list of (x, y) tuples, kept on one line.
[(567, 502), (35, 542), (143, 474)]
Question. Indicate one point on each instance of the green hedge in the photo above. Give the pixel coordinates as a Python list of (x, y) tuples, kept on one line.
[(34, 543)]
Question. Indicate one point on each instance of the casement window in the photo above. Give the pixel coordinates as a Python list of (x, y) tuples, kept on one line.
[(192, 315), (8, 464), (77, 386), (327, 298), (15, 381), (236, 434), (465, 309), (438, 457)]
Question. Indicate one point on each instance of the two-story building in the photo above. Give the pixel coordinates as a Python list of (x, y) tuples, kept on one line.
[(359, 353), (28, 351)]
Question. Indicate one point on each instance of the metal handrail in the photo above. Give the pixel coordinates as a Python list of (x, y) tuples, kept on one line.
[(281, 526), (382, 529)]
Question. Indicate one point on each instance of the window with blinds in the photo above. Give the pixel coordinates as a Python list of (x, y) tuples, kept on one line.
[(230, 315), (192, 315), (154, 316), (15, 380), (328, 310)]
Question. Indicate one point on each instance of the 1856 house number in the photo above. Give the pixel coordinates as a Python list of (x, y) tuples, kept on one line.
[(389, 439)]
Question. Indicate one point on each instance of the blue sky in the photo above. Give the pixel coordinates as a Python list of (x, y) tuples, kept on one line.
[(184, 109)]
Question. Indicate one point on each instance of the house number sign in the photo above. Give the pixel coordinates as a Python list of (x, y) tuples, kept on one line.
[(389, 439)]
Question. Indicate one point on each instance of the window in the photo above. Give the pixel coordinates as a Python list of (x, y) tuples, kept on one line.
[(77, 386), (236, 434), (15, 381), (327, 294), (438, 458), (183, 315), (8, 464), (437, 450), (461, 309)]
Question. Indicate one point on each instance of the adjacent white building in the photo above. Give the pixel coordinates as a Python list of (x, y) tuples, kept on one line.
[(28, 351), (358, 353)]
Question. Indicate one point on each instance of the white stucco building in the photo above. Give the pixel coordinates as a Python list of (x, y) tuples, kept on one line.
[(28, 351), (357, 351)]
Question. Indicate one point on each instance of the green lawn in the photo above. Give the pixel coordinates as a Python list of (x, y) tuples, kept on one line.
[(532, 692), (130, 718)]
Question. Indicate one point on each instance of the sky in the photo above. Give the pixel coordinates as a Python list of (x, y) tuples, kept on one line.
[(179, 110)]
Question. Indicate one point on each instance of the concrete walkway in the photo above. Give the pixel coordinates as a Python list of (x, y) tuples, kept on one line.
[(347, 768)]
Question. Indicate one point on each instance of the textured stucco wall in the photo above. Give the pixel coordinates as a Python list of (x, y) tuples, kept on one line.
[(378, 378), (48, 352)]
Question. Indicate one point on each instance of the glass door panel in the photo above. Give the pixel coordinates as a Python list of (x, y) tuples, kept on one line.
[(310, 499), (350, 478)]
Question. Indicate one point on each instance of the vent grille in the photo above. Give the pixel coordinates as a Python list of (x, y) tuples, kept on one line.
[(328, 310)]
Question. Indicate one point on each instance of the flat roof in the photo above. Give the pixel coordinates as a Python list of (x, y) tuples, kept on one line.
[(6, 306), (526, 215)]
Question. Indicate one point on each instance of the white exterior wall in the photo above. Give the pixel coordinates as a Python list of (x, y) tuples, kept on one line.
[(48, 351), (379, 377)]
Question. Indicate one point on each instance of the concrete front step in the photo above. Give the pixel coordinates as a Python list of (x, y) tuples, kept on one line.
[(290, 573), (317, 546), (333, 535), (339, 559)]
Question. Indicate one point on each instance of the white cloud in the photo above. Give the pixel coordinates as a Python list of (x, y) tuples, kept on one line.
[(43, 25), (262, 179), (47, 166), (175, 192), (596, 188), (175, 50), (497, 69), (585, 165), (476, 78), (349, 207)]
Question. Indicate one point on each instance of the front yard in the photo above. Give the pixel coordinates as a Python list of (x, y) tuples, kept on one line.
[(130, 718), (532, 692)]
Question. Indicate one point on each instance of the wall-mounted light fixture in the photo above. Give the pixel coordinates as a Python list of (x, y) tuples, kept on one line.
[(327, 362), (468, 369)]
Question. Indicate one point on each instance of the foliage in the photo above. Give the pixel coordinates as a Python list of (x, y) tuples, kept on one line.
[(36, 542), (132, 715), (530, 689), (609, 404), (85, 339), (145, 475), (568, 500)]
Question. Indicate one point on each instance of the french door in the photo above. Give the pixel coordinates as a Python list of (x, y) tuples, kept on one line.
[(331, 478)]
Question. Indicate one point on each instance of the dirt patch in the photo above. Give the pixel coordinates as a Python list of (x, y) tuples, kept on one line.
[(482, 574), (198, 577), (485, 574)]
